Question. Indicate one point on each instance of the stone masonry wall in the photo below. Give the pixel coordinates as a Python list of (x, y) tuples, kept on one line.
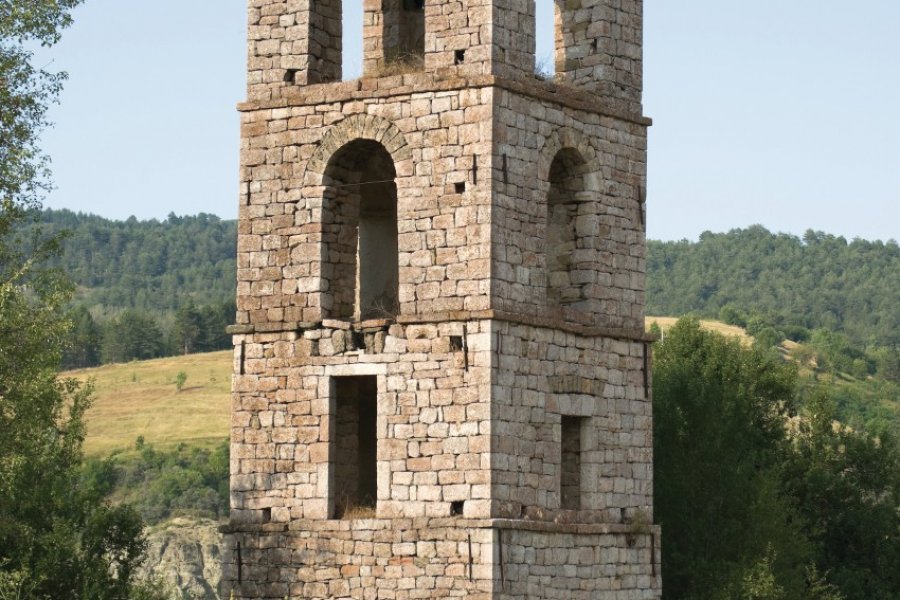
[(578, 563), (599, 46), (407, 559), (443, 232), (609, 229), (543, 374), (371, 559), (432, 419)]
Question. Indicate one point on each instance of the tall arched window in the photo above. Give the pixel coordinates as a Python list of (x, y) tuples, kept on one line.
[(359, 229), (565, 280)]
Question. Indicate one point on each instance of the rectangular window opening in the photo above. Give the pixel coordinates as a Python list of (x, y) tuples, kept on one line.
[(456, 508), (354, 448), (456, 343), (546, 38), (459, 188), (570, 467), (352, 41), (459, 57)]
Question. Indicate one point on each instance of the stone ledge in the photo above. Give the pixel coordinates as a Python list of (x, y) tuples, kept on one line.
[(479, 315), (411, 83), (457, 523)]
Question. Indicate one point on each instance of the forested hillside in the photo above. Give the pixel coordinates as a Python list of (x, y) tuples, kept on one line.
[(147, 265), (145, 289), (819, 281)]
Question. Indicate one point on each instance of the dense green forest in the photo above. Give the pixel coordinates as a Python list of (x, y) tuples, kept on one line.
[(818, 282), (152, 266), (144, 289)]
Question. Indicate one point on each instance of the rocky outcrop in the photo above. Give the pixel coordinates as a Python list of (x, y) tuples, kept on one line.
[(186, 554)]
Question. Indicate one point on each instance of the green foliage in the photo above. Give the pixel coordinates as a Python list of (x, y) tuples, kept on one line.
[(818, 587), (132, 336), (150, 266), (752, 507), (846, 485), (818, 282), (759, 582), (82, 349), (25, 94), (57, 538), (184, 481), (187, 330), (719, 412), (180, 380)]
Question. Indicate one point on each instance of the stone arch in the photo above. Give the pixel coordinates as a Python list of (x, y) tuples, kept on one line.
[(569, 184), (352, 178), (360, 233), (358, 127), (566, 137)]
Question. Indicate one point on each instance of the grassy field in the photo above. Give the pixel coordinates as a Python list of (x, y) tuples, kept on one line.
[(140, 399)]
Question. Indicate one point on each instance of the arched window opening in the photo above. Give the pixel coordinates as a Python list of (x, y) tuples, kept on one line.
[(360, 233), (565, 277)]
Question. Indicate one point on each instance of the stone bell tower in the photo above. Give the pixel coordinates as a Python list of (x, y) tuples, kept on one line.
[(441, 377)]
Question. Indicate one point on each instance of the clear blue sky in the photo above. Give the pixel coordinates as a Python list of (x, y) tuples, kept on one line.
[(784, 113)]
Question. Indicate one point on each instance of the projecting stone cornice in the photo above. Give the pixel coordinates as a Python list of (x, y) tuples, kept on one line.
[(411, 83)]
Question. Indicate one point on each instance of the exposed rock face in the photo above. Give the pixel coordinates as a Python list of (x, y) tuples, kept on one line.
[(187, 555)]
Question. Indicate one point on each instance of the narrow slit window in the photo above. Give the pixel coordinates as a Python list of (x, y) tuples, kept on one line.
[(354, 448), (570, 464), (545, 38), (352, 40)]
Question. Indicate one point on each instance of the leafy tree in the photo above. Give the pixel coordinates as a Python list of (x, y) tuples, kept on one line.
[(187, 330), (888, 360), (214, 319), (57, 538), (847, 488), (719, 413), (83, 346), (180, 380), (132, 336), (759, 502)]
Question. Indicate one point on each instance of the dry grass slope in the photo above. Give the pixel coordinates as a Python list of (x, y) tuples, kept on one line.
[(140, 398), (666, 323)]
